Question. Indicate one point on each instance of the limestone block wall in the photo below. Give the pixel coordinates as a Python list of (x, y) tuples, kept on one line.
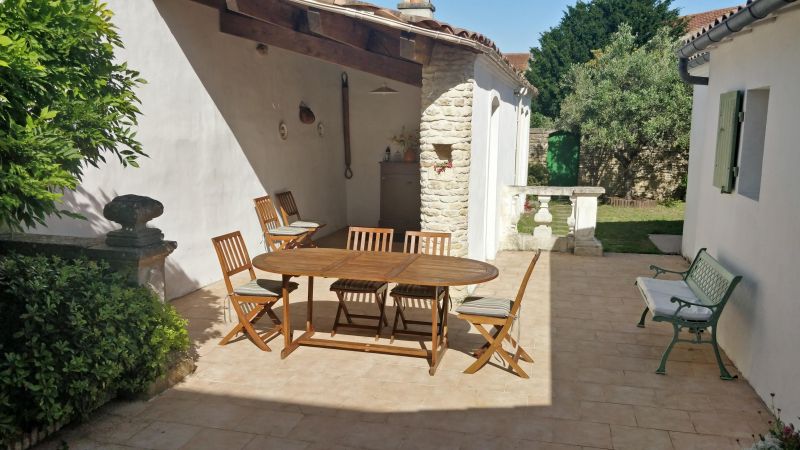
[(538, 145), (446, 135)]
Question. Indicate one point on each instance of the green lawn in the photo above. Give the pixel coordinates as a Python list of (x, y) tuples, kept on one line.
[(621, 230)]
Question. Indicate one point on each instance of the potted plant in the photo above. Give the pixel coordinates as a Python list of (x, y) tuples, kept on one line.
[(408, 142)]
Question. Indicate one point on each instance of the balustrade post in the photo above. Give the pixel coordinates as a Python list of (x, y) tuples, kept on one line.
[(585, 224), (543, 218), (571, 218)]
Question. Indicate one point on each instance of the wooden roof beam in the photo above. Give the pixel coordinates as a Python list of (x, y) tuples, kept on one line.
[(317, 47)]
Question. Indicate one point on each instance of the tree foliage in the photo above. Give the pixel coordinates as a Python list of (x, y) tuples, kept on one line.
[(631, 110), (64, 103), (585, 27)]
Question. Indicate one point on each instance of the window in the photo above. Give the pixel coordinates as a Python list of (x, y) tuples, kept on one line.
[(730, 107), (751, 151)]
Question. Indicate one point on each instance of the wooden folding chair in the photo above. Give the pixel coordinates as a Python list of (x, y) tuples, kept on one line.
[(253, 300), (289, 209), (501, 314), (429, 243), (276, 236), (364, 240)]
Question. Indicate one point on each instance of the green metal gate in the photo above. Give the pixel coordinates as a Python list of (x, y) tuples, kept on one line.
[(563, 158)]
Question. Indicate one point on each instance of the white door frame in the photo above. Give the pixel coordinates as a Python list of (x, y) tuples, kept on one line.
[(490, 221)]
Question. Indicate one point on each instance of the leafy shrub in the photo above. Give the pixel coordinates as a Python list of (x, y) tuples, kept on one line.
[(71, 334), (538, 175)]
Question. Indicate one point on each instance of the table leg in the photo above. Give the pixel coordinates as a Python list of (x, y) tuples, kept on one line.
[(446, 306), (287, 318), (310, 308), (434, 332)]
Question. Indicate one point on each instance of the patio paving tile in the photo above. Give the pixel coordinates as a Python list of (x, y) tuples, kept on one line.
[(663, 419), (690, 441), (163, 436), (633, 438), (610, 413), (211, 439), (592, 383), (273, 443)]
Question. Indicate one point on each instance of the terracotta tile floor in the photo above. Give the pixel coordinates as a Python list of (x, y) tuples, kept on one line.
[(592, 384)]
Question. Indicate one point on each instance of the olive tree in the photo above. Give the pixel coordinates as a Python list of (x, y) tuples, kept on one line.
[(65, 103), (631, 111)]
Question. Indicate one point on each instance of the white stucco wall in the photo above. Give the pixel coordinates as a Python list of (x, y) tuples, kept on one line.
[(757, 239), (374, 119), (491, 172), (211, 111)]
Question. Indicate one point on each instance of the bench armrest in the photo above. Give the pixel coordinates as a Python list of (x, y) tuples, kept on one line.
[(660, 270), (687, 304)]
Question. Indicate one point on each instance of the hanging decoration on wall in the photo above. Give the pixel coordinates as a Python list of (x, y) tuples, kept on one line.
[(283, 131), (348, 172), (321, 129), (306, 114)]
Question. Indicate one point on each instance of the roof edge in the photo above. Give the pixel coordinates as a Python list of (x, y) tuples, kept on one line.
[(476, 46)]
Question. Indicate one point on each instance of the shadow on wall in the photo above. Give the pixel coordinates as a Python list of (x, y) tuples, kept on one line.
[(94, 224), (90, 205), (257, 91)]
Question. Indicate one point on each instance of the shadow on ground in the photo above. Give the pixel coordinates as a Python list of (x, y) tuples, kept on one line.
[(592, 383)]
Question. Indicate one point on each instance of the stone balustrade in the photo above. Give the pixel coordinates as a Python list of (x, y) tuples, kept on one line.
[(581, 222)]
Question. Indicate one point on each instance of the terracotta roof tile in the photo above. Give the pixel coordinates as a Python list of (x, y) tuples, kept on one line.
[(701, 28), (697, 21), (519, 60), (430, 24)]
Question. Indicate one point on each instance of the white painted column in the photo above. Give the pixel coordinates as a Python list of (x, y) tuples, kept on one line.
[(586, 244)]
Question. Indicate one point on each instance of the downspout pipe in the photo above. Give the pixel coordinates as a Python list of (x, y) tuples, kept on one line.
[(755, 11)]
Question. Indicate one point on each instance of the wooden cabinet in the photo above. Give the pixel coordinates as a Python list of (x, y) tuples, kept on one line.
[(400, 197)]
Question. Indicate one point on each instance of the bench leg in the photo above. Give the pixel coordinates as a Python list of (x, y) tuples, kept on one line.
[(662, 368), (644, 316), (723, 372)]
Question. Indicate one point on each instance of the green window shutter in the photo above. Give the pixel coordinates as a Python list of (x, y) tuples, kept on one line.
[(730, 105)]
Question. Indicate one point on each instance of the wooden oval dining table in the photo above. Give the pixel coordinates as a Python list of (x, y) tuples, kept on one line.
[(440, 272)]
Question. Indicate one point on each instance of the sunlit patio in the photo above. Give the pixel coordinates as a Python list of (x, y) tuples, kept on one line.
[(592, 383)]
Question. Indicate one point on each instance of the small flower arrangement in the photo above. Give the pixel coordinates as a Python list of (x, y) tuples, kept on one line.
[(440, 166), (781, 436)]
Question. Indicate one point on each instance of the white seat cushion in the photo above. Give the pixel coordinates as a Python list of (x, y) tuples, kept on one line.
[(288, 231), (264, 288), (485, 306), (302, 224), (658, 293)]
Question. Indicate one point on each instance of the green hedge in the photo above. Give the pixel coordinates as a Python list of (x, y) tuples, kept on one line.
[(71, 334)]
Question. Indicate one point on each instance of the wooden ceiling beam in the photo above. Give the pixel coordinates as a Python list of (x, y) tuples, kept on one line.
[(318, 22), (271, 11), (317, 47)]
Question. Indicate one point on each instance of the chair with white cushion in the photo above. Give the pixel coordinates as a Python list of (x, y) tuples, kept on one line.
[(693, 303), (500, 313), (252, 300), (277, 236), (289, 209)]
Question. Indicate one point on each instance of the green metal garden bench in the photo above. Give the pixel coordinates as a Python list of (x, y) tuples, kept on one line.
[(693, 303)]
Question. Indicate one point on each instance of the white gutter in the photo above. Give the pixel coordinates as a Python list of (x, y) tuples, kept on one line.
[(438, 35)]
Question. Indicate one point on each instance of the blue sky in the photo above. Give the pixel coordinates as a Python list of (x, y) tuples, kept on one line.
[(515, 25)]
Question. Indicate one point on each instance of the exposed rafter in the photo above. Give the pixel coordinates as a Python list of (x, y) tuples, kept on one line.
[(321, 48), (336, 27)]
